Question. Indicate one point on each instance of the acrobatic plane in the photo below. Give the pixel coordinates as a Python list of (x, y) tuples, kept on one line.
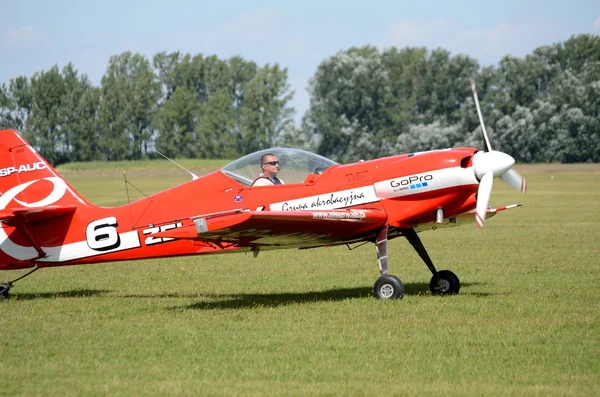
[(46, 223)]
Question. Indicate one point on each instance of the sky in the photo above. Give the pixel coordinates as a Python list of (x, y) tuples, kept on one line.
[(36, 35)]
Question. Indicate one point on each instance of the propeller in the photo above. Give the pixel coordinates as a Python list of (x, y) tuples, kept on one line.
[(483, 197), (514, 180), (490, 164)]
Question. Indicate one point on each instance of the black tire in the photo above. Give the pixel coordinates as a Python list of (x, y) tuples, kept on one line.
[(4, 292), (448, 283), (388, 287)]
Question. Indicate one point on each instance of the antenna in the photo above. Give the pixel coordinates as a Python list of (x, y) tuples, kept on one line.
[(128, 200), (126, 188), (133, 225), (194, 176)]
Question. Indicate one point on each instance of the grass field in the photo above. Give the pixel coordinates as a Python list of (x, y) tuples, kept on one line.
[(527, 320)]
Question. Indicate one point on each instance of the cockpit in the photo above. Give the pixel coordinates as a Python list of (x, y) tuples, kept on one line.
[(296, 165)]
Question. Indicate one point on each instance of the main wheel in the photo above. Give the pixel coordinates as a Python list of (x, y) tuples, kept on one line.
[(447, 284), (4, 291), (388, 287)]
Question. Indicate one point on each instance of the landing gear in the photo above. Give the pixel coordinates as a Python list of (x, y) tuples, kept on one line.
[(389, 286), (446, 283), (443, 282), (5, 287)]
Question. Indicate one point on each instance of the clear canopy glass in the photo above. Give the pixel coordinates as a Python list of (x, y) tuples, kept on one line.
[(296, 165)]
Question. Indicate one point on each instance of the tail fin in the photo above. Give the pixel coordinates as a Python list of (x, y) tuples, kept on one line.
[(27, 180)]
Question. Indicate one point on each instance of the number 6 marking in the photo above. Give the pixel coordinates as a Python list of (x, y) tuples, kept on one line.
[(101, 235)]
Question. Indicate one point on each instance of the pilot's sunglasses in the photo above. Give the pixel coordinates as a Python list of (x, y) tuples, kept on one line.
[(272, 162)]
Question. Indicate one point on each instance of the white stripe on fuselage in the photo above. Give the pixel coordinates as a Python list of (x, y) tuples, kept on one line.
[(329, 201), (390, 188), (66, 252), (425, 182), (81, 249)]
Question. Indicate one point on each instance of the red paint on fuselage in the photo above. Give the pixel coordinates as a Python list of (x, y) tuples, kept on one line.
[(215, 193)]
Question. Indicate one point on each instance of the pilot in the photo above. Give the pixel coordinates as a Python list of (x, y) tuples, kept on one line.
[(270, 167)]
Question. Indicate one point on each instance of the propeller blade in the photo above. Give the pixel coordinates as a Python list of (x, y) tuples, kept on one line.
[(514, 180), (486, 142), (483, 197), (491, 164)]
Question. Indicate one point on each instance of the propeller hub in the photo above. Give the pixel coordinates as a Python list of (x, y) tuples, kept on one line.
[(498, 163)]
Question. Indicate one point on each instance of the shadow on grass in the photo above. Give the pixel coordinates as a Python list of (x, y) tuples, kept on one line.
[(249, 301), (240, 301), (80, 293)]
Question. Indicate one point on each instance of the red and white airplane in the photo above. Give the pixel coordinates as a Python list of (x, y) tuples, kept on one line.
[(45, 222)]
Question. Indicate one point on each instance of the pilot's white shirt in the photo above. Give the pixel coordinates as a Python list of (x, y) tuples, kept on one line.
[(263, 180)]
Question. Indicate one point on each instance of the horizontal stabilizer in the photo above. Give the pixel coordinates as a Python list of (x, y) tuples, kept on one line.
[(11, 216)]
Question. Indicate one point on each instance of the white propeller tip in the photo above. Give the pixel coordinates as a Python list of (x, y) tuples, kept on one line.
[(483, 197), (479, 221), (515, 181)]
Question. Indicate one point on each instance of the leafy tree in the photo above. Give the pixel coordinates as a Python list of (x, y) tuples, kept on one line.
[(423, 137), (580, 55), (403, 69), (176, 121), (166, 66), (546, 105), (238, 106), (86, 140), (240, 72), (43, 129), (517, 134), (305, 137), (576, 137), (215, 127), (129, 97), (264, 111), (443, 86), (365, 103), (16, 102), (349, 94), (55, 112), (77, 116)]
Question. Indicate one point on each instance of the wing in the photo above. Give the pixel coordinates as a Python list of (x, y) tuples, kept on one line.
[(283, 228), (462, 219)]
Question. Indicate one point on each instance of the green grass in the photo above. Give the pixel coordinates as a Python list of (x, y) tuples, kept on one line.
[(303, 322), (161, 164)]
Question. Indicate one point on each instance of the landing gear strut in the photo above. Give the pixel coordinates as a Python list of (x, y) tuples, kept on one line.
[(443, 282), (389, 286), (5, 287)]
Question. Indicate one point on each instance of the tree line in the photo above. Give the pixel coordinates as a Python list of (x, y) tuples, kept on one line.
[(364, 103)]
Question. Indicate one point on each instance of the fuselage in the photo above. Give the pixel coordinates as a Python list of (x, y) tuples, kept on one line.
[(409, 188)]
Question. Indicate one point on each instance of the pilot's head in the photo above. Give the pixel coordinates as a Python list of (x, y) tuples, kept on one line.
[(269, 163)]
